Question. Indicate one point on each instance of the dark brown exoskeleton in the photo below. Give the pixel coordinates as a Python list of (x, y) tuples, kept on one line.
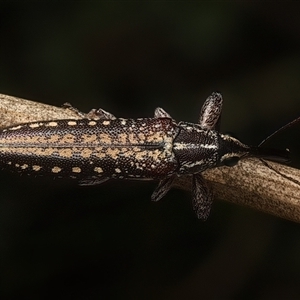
[(100, 147)]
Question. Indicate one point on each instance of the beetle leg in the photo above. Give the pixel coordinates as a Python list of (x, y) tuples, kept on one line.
[(202, 197), (93, 114), (92, 181), (100, 114), (211, 112), (163, 187), (161, 113), (69, 106)]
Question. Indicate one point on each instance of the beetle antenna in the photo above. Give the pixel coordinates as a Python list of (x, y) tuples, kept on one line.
[(284, 127)]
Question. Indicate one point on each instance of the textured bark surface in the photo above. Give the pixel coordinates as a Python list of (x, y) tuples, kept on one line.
[(269, 187)]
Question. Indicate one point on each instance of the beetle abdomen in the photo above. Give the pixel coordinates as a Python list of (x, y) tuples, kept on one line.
[(89, 149)]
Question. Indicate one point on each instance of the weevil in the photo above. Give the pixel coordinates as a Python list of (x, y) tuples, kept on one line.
[(100, 147)]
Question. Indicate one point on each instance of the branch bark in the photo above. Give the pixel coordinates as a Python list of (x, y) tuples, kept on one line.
[(266, 186)]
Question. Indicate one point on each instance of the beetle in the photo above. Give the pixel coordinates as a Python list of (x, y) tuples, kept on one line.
[(100, 147)]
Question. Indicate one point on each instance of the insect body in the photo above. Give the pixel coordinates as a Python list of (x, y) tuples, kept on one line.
[(104, 147)]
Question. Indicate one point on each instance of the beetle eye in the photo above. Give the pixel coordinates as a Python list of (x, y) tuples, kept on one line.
[(231, 161)]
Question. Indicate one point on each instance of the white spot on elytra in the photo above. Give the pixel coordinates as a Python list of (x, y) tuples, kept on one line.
[(56, 169), (36, 168), (106, 122), (117, 170), (72, 123), (76, 170), (98, 170), (34, 125), (92, 123), (15, 127), (52, 124)]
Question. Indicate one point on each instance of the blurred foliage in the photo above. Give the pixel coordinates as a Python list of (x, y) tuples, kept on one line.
[(60, 240)]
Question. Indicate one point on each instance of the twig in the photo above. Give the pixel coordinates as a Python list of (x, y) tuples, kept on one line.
[(272, 188), (266, 186)]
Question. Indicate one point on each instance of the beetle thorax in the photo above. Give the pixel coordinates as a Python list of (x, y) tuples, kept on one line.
[(195, 148)]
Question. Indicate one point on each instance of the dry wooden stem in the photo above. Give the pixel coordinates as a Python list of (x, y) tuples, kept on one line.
[(268, 187)]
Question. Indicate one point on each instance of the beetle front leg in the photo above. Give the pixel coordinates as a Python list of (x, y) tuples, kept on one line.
[(211, 112), (202, 197)]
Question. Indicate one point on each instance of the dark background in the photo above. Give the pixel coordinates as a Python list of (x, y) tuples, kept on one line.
[(61, 241)]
